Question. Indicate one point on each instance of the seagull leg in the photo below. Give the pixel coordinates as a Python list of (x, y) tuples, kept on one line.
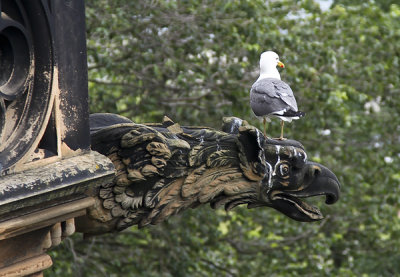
[(282, 124), (265, 127)]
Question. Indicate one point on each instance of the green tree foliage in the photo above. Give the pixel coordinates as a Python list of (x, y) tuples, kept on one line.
[(383, 4), (196, 61)]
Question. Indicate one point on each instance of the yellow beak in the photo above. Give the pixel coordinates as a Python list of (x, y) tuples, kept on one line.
[(280, 64)]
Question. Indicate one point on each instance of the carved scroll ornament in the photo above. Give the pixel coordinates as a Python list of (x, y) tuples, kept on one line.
[(26, 73), (162, 169)]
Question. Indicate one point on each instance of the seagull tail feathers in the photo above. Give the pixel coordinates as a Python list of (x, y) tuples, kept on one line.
[(294, 114)]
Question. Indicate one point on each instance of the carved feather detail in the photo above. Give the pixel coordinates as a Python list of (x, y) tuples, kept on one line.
[(192, 167), (162, 169)]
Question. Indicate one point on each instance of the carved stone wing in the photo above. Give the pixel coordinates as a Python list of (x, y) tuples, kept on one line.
[(162, 169)]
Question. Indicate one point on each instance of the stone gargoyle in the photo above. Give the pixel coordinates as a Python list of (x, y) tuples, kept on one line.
[(162, 169)]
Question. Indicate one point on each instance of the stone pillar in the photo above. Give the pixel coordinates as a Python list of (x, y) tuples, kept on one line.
[(46, 165)]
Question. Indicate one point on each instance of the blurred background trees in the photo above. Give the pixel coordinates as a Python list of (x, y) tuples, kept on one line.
[(195, 61)]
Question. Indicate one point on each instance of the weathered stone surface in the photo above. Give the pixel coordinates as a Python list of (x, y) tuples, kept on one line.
[(38, 208), (57, 182), (46, 165), (167, 168)]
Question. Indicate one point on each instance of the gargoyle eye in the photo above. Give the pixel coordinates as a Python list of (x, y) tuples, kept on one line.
[(284, 169), (299, 159)]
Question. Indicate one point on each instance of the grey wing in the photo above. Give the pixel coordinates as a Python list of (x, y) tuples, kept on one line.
[(285, 93), (265, 98)]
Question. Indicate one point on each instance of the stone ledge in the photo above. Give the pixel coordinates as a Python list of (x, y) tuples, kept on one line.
[(54, 184), (43, 218), (27, 267)]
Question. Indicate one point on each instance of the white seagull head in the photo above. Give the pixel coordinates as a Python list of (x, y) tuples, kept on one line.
[(269, 60)]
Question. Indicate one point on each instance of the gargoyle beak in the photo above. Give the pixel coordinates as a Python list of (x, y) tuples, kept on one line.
[(318, 180), (323, 182), (280, 64)]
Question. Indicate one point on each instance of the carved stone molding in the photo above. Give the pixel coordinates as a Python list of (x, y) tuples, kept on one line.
[(26, 75), (38, 208), (46, 165), (43, 82), (30, 267)]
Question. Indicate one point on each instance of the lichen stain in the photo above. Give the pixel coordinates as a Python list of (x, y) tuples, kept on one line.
[(41, 178), (68, 152), (64, 115)]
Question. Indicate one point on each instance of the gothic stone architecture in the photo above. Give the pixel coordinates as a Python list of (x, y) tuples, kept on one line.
[(62, 170)]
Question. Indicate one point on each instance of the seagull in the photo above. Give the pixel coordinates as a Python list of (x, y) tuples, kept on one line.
[(271, 97)]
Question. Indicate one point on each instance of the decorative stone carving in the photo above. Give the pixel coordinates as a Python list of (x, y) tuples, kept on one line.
[(46, 165), (43, 83), (162, 169), (26, 75)]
